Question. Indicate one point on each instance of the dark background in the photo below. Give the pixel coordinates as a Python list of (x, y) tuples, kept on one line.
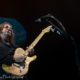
[(56, 57)]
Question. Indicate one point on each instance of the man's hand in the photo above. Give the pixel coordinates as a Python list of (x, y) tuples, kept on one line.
[(31, 52)]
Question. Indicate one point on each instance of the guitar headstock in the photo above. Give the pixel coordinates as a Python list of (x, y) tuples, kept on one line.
[(47, 29)]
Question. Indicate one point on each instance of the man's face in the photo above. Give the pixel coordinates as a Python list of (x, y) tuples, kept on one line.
[(7, 29)]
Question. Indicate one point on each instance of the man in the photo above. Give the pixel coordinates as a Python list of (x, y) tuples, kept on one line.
[(7, 47), (7, 41)]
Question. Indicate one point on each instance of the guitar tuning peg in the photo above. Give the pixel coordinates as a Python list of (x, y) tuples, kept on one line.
[(52, 29)]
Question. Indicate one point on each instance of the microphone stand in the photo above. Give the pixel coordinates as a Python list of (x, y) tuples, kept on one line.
[(62, 32), (68, 37)]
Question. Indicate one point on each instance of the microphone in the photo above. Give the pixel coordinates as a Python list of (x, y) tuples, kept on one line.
[(42, 18), (38, 20)]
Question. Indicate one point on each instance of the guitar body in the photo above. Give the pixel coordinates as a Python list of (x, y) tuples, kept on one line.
[(15, 70), (19, 55)]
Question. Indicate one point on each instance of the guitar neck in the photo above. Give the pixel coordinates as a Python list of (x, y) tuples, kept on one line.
[(38, 38), (33, 44)]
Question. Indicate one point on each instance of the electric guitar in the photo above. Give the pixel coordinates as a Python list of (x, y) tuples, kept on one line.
[(20, 55)]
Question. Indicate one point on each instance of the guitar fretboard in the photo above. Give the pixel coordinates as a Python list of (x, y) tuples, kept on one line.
[(33, 44)]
